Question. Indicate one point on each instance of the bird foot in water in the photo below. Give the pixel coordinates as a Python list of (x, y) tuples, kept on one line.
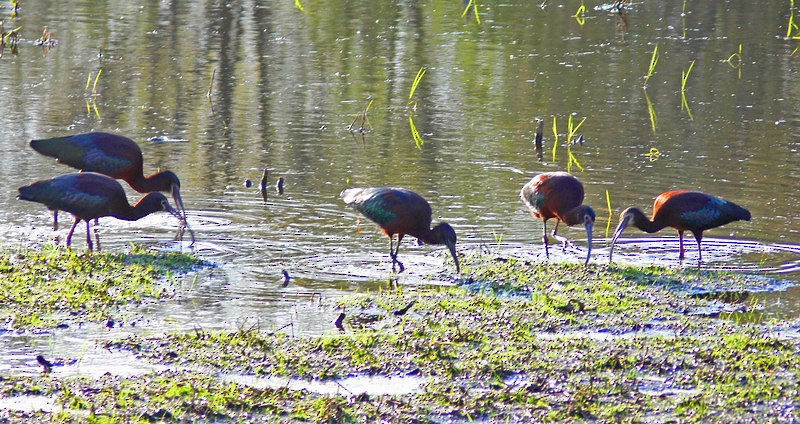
[(564, 242), (400, 264)]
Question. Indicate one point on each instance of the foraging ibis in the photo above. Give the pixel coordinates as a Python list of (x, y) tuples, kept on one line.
[(401, 211), (113, 155), (558, 195), (90, 195), (682, 210)]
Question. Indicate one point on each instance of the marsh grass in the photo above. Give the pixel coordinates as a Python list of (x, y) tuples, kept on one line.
[(653, 63), (518, 341), (579, 14), (472, 7), (572, 129), (414, 85), (791, 26), (42, 289), (735, 61), (299, 6), (365, 124)]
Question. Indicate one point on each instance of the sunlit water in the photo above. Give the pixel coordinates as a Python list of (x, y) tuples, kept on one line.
[(287, 85)]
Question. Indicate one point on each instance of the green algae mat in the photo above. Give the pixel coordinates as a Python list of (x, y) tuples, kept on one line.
[(514, 341)]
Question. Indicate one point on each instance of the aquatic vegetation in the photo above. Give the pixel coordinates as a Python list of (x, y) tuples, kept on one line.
[(651, 110), (364, 119), (735, 61), (571, 131), (601, 343), (53, 286), (471, 7), (653, 63), (580, 13), (684, 103)]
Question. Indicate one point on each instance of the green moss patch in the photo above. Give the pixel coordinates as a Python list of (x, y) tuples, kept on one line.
[(517, 342), (41, 289)]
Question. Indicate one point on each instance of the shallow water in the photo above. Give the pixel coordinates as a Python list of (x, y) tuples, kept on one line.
[(287, 85)]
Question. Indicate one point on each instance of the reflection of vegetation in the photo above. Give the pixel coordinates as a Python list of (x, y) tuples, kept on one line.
[(211, 84), (735, 60), (610, 213), (653, 62), (651, 110), (472, 7), (418, 141), (622, 16), (684, 77), (571, 130), (91, 97), (414, 133)]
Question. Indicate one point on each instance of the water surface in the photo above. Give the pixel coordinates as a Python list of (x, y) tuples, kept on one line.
[(287, 84)]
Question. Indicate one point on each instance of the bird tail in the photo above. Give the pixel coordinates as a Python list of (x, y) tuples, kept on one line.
[(51, 147), (29, 192)]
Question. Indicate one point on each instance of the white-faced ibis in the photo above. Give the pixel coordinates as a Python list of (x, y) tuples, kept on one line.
[(558, 195), (400, 211), (113, 155), (682, 210), (89, 195)]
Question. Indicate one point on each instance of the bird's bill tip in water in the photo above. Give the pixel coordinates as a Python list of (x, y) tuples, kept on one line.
[(176, 195), (618, 232), (589, 227), (452, 247)]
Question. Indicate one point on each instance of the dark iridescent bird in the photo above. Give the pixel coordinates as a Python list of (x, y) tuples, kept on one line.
[(402, 212), (88, 196), (682, 210), (113, 155), (558, 195)]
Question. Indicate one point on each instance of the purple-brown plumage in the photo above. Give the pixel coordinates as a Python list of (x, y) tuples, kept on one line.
[(90, 195), (113, 155), (401, 211), (683, 210), (558, 195)]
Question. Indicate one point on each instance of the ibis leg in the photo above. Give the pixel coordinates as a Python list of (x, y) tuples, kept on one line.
[(680, 239), (89, 235), (544, 239), (96, 233), (72, 230)]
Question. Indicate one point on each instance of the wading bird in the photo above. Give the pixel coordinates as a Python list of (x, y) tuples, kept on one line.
[(113, 155), (682, 210), (89, 195), (400, 211), (558, 195)]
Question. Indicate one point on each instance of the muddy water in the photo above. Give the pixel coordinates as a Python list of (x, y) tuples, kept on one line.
[(287, 84)]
